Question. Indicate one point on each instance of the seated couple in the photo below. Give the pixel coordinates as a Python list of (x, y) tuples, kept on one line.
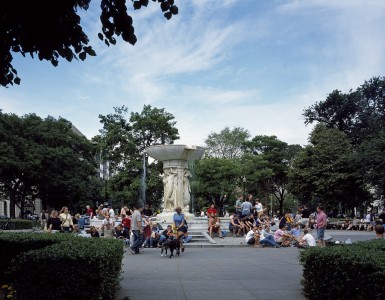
[(258, 238)]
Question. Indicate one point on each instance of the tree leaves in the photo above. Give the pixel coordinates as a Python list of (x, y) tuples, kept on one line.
[(54, 30)]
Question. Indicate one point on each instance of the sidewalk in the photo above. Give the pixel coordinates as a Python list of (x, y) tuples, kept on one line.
[(229, 271), (213, 273)]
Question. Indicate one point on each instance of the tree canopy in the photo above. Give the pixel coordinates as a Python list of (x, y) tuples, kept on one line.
[(52, 29), (228, 143), (327, 170), (45, 159), (122, 142), (360, 115)]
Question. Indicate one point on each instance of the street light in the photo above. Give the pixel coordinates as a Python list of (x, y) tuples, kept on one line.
[(244, 187)]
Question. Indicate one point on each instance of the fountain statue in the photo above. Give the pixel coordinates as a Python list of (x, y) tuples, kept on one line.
[(176, 179)]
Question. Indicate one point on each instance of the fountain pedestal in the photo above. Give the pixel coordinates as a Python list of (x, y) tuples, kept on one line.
[(176, 179)]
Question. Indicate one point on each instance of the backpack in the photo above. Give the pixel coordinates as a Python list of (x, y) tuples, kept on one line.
[(185, 223)]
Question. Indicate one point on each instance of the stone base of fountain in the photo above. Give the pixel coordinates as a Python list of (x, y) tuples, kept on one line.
[(167, 217)]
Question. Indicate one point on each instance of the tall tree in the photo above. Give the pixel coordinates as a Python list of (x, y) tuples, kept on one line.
[(217, 180), (327, 170), (360, 114), (122, 142), (228, 143), (43, 158), (53, 29), (277, 155)]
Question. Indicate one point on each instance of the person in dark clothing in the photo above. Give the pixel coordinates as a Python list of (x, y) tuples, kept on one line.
[(147, 211)]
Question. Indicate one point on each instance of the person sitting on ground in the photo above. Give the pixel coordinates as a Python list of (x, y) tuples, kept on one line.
[(76, 230), (345, 225), (296, 232), (214, 226), (354, 224), (298, 216), (252, 237), (234, 226), (108, 224), (282, 237), (154, 237), (266, 230), (266, 240), (99, 212), (307, 240), (165, 234), (250, 221), (123, 234), (379, 229), (289, 220), (94, 232), (263, 219)]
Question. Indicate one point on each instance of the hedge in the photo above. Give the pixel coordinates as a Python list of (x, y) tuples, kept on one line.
[(65, 266), (354, 271), (20, 223)]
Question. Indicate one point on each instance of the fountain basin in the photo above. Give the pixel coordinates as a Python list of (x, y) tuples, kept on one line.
[(175, 152)]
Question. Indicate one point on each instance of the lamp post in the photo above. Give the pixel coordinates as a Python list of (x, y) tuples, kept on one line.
[(244, 187)]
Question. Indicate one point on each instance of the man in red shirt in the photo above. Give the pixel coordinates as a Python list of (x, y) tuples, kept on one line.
[(211, 211), (126, 222), (89, 212), (322, 221)]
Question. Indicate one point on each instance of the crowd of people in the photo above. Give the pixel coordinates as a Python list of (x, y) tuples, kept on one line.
[(136, 226), (260, 230), (138, 229)]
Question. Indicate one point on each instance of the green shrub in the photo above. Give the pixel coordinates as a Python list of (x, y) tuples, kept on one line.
[(354, 271), (19, 223), (15, 243), (43, 266)]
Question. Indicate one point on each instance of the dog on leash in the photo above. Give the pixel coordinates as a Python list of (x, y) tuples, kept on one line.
[(171, 244)]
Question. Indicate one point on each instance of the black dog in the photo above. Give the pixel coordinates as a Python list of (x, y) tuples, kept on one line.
[(172, 244)]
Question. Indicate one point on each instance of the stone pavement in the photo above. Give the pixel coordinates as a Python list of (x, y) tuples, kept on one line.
[(231, 271), (213, 273)]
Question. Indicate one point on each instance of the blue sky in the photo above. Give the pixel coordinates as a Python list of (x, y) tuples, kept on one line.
[(255, 64)]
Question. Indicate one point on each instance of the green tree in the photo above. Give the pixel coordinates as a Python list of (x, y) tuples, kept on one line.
[(217, 181), (122, 142), (275, 157), (327, 170), (228, 143), (53, 29), (360, 114), (43, 158)]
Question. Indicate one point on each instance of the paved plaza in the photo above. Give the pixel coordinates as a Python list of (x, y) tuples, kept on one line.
[(219, 273)]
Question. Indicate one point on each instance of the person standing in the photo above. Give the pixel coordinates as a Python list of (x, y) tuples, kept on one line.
[(382, 217), (321, 226), (258, 208), (43, 219), (136, 229), (147, 211), (246, 206), (53, 222), (66, 219), (305, 216), (238, 205)]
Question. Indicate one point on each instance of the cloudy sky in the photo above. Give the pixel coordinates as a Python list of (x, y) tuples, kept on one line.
[(255, 64)]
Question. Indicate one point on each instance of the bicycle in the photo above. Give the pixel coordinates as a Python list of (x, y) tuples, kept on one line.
[(7, 225)]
